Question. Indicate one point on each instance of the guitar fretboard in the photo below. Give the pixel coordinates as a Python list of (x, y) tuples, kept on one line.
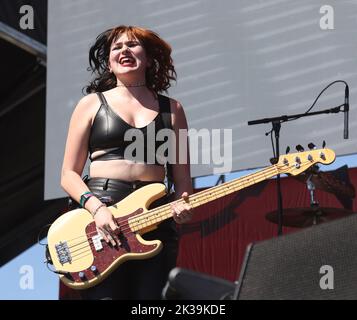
[(157, 215)]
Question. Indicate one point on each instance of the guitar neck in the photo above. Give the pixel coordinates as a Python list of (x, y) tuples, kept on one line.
[(157, 215)]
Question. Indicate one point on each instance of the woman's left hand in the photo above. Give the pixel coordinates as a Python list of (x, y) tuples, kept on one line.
[(182, 211)]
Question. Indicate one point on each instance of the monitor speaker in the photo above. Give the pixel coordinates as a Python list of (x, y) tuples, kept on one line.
[(317, 263), (185, 284)]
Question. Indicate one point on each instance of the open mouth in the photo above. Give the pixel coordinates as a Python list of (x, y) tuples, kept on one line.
[(126, 61)]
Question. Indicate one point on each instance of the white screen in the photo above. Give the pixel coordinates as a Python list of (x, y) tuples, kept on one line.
[(236, 61)]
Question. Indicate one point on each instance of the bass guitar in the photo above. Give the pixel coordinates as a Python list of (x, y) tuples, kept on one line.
[(83, 259)]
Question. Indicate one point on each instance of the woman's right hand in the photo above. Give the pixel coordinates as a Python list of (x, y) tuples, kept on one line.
[(107, 227)]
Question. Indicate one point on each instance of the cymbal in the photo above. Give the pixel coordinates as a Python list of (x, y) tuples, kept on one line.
[(305, 217), (327, 181)]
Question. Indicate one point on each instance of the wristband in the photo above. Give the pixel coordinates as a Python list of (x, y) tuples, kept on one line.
[(84, 198)]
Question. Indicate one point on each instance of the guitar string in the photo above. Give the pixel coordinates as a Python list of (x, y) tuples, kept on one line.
[(82, 257), (203, 195), (165, 210), (86, 248), (258, 174)]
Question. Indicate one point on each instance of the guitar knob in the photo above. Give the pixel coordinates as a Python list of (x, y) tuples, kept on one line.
[(299, 148), (311, 146), (82, 275), (94, 269)]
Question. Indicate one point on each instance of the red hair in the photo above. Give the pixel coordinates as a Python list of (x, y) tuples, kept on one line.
[(158, 74)]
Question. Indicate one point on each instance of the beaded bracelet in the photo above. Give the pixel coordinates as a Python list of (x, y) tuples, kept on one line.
[(97, 209)]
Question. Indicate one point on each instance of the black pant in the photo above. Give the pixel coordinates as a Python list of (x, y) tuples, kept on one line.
[(135, 279)]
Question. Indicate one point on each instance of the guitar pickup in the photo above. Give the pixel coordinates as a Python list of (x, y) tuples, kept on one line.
[(97, 242)]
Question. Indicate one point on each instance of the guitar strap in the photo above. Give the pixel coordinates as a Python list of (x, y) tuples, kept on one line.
[(165, 110)]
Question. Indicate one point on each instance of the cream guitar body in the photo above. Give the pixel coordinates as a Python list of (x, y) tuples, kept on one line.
[(83, 259), (80, 253)]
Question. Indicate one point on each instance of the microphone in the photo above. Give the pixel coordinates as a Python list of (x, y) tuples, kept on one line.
[(345, 111)]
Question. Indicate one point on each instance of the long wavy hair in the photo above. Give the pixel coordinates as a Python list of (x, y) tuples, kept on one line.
[(158, 75)]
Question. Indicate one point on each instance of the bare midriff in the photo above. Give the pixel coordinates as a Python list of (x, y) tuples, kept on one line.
[(126, 170)]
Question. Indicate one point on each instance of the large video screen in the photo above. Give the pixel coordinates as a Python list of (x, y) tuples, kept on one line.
[(236, 61)]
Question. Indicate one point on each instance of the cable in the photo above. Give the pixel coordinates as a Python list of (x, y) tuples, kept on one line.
[(306, 112), (317, 98), (39, 235)]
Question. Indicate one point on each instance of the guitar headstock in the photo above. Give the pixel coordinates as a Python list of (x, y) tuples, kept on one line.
[(296, 163)]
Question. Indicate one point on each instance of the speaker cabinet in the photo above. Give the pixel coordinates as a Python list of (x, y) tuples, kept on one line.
[(317, 263)]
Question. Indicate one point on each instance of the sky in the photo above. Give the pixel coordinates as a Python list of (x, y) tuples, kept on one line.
[(26, 277)]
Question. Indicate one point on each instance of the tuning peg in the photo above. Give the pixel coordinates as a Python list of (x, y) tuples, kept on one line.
[(311, 146), (323, 144), (287, 150), (299, 148)]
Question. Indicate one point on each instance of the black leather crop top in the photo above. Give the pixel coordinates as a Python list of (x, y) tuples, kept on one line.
[(108, 132)]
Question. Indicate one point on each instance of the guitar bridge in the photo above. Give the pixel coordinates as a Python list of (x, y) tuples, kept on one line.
[(63, 253)]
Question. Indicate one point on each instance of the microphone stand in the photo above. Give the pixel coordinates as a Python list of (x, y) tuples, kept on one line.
[(276, 123), (276, 128), (314, 205)]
